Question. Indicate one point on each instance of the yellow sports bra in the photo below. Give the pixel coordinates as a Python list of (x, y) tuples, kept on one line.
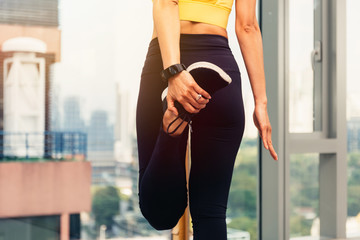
[(214, 12)]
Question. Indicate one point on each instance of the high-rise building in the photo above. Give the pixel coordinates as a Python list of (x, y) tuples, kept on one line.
[(101, 149), (73, 120), (100, 133)]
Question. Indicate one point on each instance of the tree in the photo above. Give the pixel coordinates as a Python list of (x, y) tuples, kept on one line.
[(105, 205), (299, 226), (245, 224)]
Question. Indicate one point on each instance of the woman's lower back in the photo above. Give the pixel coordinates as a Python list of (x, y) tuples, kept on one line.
[(190, 27)]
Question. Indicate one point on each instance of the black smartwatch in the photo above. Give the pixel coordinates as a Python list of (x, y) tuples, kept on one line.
[(171, 71)]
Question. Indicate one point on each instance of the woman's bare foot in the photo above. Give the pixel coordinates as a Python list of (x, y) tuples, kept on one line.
[(168, 118)]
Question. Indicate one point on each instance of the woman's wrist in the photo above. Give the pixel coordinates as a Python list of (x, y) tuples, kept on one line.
[(261, 102), (172, 71), (170, 61)]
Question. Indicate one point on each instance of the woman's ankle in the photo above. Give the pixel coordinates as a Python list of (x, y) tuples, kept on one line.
[(167, 119)]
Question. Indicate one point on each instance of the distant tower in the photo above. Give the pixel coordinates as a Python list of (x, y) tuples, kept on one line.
[(100, 134), (72, 115), (123, 138)]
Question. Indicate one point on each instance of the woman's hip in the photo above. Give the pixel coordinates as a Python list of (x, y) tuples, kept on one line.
[(194, 47), (215, 49)]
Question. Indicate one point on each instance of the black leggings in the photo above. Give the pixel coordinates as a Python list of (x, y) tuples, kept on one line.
[(215, 140)]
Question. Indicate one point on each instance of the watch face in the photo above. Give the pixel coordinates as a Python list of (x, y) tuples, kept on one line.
[(172, 71)]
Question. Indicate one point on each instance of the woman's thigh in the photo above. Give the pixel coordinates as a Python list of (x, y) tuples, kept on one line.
[(149, 107), (215, 140), (217, 130)]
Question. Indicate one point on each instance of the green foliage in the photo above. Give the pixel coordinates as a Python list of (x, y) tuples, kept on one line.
[(245, 224), (353, 183), (105, 205), (243, 202), (354, 168), (247, 155), (249, 143), (299, 226), (304, 191), (354, 200), (243, 190)]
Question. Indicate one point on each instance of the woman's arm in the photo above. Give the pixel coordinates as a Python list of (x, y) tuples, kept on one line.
[(182, 86), (250, 42), (167, 26)]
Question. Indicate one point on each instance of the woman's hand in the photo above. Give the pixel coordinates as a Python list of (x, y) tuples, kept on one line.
[(183, 88), (261, 120)]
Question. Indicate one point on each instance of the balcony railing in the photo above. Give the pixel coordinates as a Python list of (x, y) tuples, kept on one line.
[(37, 146)]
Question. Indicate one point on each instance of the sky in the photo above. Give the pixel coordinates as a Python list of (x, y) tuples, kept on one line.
[(105, 42)]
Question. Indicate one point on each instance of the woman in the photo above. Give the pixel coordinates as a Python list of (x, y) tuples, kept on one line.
[(188, 31)]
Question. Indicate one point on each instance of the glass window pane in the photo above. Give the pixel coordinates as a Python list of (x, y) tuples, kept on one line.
[(353, 118), (304, 196), (301, 75), (242, 209)]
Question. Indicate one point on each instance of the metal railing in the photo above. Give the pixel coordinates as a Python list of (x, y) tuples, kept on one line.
[(48, 145)]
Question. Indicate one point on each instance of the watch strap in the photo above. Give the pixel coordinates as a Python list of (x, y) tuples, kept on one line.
[(171, 71)]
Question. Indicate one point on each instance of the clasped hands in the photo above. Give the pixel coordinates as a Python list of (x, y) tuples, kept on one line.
[(183, 88)]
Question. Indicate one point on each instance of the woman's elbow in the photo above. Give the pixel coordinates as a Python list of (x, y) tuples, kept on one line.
[(246, 28)]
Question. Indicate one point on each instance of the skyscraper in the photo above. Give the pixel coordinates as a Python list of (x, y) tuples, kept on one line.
[(73, 120), (100, 133)]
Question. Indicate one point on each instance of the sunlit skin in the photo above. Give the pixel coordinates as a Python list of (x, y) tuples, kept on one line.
[(183, 88)]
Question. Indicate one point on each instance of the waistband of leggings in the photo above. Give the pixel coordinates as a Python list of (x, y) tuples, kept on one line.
[(195, 42)]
